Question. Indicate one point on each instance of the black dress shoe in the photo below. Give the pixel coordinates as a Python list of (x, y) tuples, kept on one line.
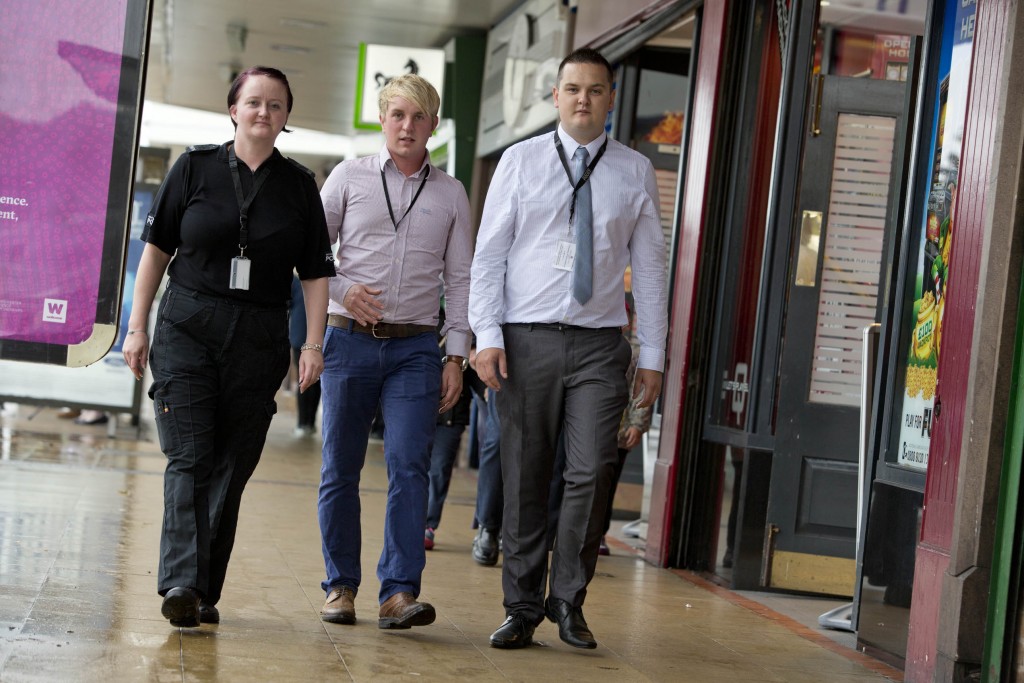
[(516, 632), (572, 627), (485, 548), (181, 607), (208, 614)]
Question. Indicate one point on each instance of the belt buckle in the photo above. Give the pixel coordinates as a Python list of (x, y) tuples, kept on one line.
[(373, 331)]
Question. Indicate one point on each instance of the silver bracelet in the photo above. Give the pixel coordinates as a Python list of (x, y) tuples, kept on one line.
[(312, 347)]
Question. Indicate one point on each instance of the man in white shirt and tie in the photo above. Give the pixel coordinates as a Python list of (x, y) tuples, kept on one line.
[(565, 214)]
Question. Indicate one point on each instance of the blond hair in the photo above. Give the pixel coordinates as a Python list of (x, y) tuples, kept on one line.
[(416, 89)]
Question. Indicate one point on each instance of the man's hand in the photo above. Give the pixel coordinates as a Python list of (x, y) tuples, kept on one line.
[(361, 302), (490, 363), (646, 387), (451, 386)]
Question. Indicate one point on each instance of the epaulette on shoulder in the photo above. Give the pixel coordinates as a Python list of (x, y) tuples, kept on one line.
[(202, 148), (302, 168)]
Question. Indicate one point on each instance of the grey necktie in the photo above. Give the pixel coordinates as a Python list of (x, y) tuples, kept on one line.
[(583, 270)]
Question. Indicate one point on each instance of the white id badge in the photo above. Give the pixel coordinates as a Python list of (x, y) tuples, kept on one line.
[(240, 272), (565, 255)]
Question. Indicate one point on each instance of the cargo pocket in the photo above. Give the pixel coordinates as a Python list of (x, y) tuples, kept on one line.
[(263, 414), (184, 313), (166, 419)]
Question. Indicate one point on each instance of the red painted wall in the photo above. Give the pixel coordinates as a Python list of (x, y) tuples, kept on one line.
[(694, 208), (980, 130)]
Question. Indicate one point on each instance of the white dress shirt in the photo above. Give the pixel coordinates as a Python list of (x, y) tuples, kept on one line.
[(432, 245), (526, 215)]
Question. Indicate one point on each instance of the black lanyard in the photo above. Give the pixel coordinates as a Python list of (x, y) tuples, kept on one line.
[(586, 174), (243, 204), (416, 196)]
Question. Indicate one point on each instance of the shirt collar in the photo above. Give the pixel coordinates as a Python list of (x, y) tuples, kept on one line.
[(222, 153), (385, 156), (570, 145)]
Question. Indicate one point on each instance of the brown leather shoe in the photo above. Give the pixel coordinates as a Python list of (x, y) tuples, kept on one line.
[(402, 611), (340, 607)]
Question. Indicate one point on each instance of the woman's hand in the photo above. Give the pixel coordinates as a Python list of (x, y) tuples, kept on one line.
[(135, 351), (311, 366), (151, 270)]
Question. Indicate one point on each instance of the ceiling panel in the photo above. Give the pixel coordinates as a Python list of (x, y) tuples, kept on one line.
[(196, 46)]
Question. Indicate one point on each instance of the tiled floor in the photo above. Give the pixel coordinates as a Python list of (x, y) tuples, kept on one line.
[(79, 531)]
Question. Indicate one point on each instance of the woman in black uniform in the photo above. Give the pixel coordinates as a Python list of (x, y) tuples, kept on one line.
[(237, 219)]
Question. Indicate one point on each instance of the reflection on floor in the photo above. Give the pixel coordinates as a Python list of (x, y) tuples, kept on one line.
[(79, 532)]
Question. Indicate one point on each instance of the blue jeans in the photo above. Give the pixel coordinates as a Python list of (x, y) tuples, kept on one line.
[(404, 377), (447, 439), (489, 496)]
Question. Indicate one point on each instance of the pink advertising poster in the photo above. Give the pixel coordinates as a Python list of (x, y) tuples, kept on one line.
[(70, 85)]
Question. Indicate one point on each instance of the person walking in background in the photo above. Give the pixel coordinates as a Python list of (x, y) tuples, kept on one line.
[(489, 496), (229, 225), (451, 424), (306, 402), (636, 420), (565, 214), (403, 227)]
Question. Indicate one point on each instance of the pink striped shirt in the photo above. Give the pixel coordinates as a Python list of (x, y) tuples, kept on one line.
[(429, 253)]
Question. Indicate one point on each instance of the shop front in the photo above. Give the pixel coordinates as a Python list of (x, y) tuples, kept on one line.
[(846, 288), (794, 254)]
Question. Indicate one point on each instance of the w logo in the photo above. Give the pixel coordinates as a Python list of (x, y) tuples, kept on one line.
[(55, 310)]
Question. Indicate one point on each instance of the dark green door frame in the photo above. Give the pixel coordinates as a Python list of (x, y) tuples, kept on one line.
[(1008, 556)]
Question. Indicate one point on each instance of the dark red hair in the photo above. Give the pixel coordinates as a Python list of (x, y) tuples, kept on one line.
[(269, 72)]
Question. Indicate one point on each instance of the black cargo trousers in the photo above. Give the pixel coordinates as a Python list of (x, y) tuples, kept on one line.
[(216, 366)]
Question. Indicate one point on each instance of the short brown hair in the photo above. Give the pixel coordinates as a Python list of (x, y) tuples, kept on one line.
[(585, 55)]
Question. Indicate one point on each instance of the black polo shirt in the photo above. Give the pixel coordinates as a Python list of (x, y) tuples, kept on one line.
[(195, 218)]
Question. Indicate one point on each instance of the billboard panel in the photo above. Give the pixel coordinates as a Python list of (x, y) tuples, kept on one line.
[(70, 95)]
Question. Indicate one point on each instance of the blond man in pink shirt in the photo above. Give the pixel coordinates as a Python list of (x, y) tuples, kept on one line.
[(403, 234)]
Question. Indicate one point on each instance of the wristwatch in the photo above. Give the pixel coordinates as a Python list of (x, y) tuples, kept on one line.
[(461, 360)]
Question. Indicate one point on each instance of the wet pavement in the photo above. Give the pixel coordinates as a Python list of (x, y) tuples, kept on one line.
[(79, 534)]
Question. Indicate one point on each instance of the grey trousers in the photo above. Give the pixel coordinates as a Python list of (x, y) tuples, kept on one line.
[(557, 375)]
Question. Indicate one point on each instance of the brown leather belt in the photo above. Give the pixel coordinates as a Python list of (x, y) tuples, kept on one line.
[(379, 330)]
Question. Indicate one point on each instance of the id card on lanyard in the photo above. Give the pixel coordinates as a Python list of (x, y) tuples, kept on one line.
[(240, 265), (565, 253)]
